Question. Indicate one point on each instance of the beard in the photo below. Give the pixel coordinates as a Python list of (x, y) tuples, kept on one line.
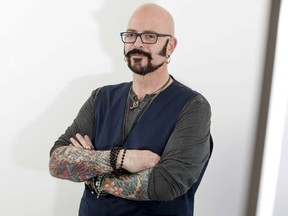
[(142, 70), (137, 67)]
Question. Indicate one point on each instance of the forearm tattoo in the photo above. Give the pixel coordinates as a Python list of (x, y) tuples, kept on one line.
[(133, 186), (77, 164)]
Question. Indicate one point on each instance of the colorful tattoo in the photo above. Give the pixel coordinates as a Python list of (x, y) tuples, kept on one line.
[(75, 164), (133, 186)]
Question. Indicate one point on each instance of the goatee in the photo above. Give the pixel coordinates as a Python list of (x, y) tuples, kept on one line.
[(149, 68)]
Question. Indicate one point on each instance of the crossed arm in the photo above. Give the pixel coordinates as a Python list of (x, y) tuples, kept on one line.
[(74, 163)]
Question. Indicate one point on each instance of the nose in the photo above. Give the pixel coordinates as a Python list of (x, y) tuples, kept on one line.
[(138, 42)]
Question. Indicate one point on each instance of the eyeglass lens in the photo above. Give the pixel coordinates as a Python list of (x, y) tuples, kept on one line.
[(131, 37)]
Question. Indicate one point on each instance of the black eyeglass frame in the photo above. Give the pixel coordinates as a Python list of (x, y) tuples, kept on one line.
[(143, 33)]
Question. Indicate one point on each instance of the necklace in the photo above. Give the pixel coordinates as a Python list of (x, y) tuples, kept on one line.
[(136, 103)]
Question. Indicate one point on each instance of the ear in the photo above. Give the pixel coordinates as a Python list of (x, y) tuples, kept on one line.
[(172, 45)]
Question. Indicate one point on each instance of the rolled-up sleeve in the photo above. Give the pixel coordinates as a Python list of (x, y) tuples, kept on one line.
[(185, 154)]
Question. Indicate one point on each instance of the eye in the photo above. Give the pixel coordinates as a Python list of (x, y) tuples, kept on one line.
[(129, 35), (149, 37)]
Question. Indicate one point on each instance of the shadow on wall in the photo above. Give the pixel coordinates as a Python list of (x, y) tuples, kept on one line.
[(33, 150)]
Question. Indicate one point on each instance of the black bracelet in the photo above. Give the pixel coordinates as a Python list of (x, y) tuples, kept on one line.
[(113, 157), (122, 159), (120, 171)]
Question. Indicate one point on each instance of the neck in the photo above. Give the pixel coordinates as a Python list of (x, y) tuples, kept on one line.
[(150, 83)]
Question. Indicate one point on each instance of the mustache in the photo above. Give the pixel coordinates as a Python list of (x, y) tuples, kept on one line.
[(138, 51)]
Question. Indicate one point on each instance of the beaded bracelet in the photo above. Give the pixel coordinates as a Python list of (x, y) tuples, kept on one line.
[(122, 159), (97, 182), (113, 157), (120, 171), (113, 160)]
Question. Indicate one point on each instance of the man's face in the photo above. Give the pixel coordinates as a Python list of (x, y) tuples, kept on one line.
[(146, 58)]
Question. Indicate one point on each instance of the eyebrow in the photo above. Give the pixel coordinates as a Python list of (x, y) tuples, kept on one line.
[(147, 31)]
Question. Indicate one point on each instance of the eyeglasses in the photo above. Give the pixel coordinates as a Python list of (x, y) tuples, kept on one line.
[(146, 38)]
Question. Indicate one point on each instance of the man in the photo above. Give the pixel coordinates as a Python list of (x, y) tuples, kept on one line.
[(140, 147)]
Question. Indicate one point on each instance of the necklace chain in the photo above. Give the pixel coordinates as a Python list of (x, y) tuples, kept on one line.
[(136, 103)]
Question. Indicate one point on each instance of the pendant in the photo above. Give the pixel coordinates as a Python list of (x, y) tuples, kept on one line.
[(134, 105)]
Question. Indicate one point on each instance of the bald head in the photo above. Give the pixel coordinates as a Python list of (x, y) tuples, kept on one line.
[(151, 17)]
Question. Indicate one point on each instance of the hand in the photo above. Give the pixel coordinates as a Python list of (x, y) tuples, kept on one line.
[(82, 142), (138, 160)]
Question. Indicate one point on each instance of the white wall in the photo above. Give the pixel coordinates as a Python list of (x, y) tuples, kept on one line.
[(54, 53), (274, 177)]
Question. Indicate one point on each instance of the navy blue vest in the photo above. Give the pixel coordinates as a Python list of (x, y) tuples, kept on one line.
[(151, 132)]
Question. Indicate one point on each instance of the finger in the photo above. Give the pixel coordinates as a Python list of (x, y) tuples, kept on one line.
[(81, 140), (88, 140), (84, 141), (75, 143)]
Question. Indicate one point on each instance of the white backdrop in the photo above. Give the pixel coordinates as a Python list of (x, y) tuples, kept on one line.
[(274, 177), (54, 53)]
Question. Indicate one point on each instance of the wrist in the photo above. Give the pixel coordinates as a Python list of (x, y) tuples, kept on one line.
[(97, 185), (121, 159), (114, 157), (117, 156)]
